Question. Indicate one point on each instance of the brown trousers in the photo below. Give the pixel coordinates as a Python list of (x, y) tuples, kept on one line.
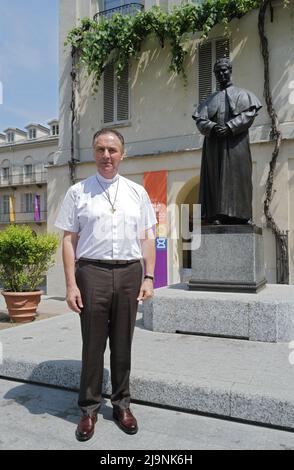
[(109, 294)]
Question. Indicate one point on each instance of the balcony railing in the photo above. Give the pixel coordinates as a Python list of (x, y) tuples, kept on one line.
[(23, 217), (128, 9), (16, 179)]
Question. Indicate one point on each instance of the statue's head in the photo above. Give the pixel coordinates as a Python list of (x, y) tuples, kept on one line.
[(223, 70)]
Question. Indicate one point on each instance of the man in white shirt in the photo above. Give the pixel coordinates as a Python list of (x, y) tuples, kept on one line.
[(108, 224)]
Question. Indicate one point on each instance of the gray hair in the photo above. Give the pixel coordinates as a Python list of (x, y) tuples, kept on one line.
[(109, 131)]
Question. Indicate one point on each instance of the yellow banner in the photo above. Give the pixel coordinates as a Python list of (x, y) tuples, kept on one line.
[(11, 209)]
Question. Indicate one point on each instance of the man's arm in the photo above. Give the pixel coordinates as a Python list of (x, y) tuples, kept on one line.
[(73, 295), (149, 256)]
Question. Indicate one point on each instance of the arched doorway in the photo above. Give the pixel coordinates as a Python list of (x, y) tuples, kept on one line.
[(188, 195)]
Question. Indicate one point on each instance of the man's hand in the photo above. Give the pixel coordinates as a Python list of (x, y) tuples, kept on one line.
[(74, 299), (146, 291)]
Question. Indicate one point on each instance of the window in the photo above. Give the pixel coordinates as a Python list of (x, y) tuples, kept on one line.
[(29, 202), (32, 133), (5, 204), (5, 173), (108, 4), (107, 8), (116, 95), (209, 52), (44, 202), (28, 170), (55, 129), (10, 137)]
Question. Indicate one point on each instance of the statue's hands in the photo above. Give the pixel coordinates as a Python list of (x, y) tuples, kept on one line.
[(221, 131)]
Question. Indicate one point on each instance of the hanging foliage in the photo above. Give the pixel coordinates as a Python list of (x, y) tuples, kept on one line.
[(93, 41)]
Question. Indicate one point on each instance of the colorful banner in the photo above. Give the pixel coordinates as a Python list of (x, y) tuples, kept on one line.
[(155, 183), (37, 208), (11, 210)]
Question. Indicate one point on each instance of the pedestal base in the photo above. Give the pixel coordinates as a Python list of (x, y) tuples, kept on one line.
[(229, 259), (266, 316)]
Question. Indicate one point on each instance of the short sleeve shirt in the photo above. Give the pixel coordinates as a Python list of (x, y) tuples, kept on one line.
[(102, 233)]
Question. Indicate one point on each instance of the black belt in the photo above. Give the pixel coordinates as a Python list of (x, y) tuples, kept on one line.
[(110, 261)]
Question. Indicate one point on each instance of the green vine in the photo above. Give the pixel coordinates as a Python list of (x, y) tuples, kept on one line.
[(123, 35), (276, 135)]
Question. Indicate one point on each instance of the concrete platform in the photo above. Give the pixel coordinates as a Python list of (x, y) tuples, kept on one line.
[(252, 381), (265, 316)]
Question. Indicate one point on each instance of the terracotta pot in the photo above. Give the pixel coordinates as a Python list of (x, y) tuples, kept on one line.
[(22, 306)]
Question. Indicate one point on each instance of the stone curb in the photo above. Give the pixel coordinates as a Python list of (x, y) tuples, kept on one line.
[(238, 401)]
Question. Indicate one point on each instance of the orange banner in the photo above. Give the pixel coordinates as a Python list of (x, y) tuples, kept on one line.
[(155, 183)]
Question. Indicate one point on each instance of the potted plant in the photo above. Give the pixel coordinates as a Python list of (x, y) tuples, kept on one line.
[(24, 260)]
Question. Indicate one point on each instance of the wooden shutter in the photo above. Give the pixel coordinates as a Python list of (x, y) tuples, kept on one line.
[(205, 71), (23, 203), (123, 96), (44, 202), (108, 92)]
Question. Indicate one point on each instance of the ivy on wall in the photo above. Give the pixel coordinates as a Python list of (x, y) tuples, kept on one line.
[(122, 35)]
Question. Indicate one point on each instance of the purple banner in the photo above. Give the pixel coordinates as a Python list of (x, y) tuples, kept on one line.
[(37, 208), (160, 274)]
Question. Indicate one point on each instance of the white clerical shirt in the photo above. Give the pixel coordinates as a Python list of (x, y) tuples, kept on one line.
[(104, 233)]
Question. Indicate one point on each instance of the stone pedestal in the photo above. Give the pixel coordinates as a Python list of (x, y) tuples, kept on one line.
[(229, 259), (266, 316)]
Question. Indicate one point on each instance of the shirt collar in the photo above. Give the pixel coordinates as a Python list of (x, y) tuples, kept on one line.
[(107, 180)]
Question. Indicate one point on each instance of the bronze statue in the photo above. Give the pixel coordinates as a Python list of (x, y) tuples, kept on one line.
[(226, 169)]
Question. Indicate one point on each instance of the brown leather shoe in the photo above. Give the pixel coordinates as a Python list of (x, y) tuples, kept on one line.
[(86, 427), (125, 420)]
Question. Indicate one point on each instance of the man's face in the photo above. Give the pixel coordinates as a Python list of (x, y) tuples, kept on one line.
[(223, 74), (108, 153)]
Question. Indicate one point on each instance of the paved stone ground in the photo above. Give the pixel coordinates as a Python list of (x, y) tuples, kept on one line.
[(240, 379), (36, 417)]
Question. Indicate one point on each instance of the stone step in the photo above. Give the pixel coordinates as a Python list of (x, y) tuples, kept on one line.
[(265, 316), (247, 380)]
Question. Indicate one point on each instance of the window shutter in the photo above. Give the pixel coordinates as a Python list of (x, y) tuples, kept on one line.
[(205, 70), (108, 90), (222, 49), (123, 96), (23, 203), (44, 202)]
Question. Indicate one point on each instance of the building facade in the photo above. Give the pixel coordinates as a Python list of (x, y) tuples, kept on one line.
[(24, 159), (152, 107)]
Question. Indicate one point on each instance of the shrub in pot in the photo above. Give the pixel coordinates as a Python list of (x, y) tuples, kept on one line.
[(25, 258)]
